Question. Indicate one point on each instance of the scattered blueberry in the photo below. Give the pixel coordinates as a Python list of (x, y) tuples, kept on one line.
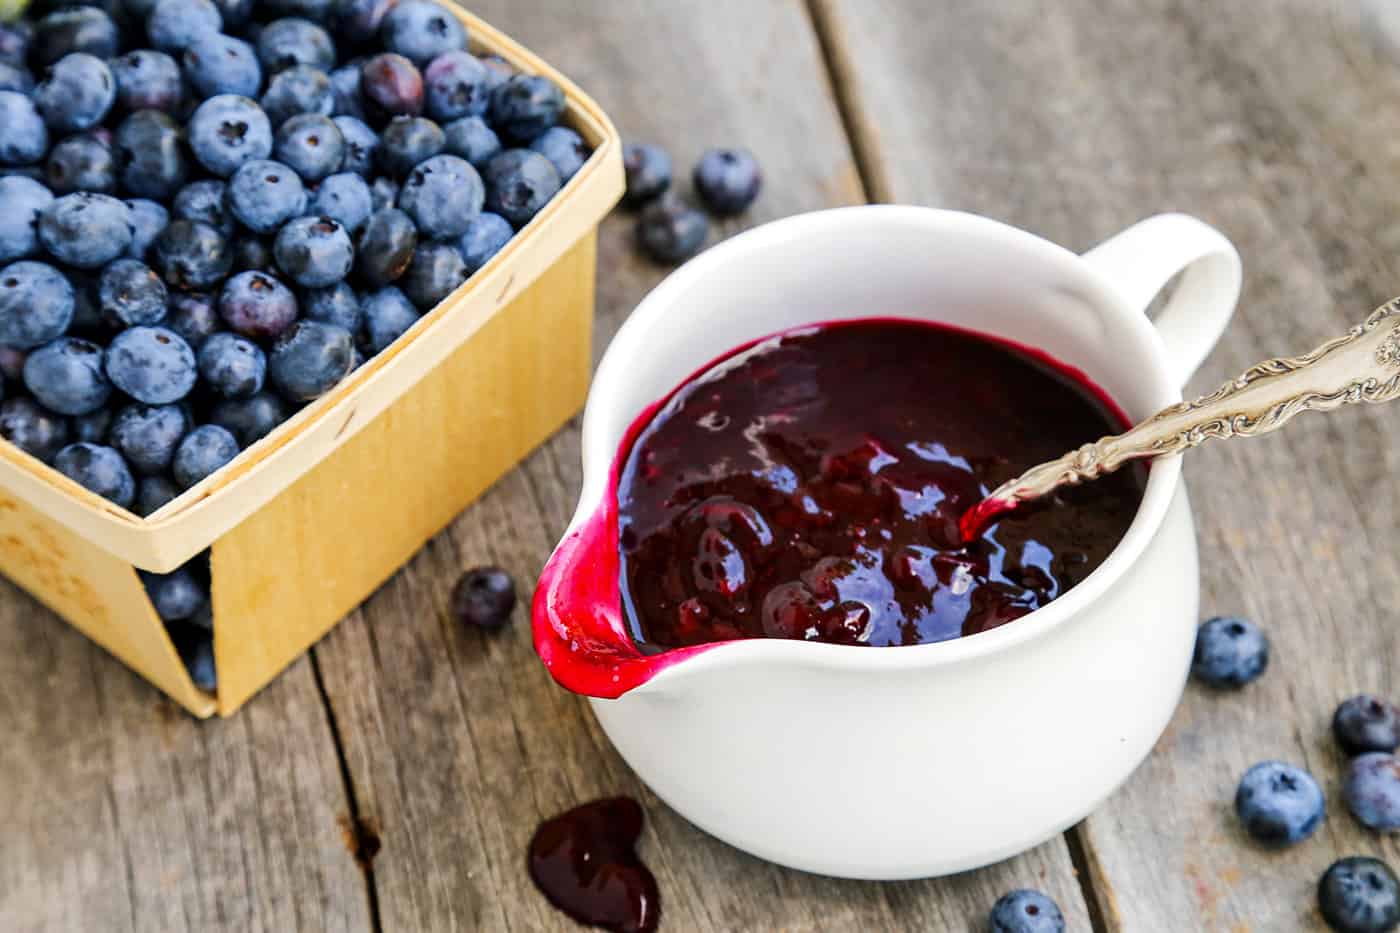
[(728, 180), (1372, 791), (309, 359), (1279, 803), (471, 139), (250, 419), (455, 85), (336, 304), (406, 142), (287, 43), (1026, 911), (99, 469), (361, 146), (392, 86), (148, 435), (23, 136), (300, 89), (388, 315), (219, 64), (36, 304), (148, 221), (346, 199), (1230, 652), (519, 183), (175, 24), (525, 106), (191, 256), (421, 30), (484, 598), (202, 453), (33, 430), (150, 155), (151, 364), (176, 596), (1367, 723), (232, 366), (194, 316), (23, 199), (257, 305), (442, 195), (1359, 895), (486, 235), (81, 163), (148, 80), (564, 148), (385, 247), (670, 231), (314, 252), (66, 376), (75, 29), (153, 493), (436, 271), (264, 195), (207, 202), (129, 292), (229, 131)]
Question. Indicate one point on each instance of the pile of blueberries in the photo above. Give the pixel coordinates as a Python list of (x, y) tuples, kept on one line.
[(212, 211), (668, 229)]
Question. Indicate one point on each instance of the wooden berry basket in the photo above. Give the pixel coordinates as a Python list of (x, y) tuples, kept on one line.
[(309, 521)]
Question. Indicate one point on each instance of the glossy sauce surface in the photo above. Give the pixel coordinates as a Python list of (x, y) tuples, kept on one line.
[(810, 486), (585, 862)]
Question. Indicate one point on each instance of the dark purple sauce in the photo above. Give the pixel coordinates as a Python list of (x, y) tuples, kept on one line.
[(585, 861), (810, 487)]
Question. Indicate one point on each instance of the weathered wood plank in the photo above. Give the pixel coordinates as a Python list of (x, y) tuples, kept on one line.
[(1266, 119), (459, 744), (123, 813)]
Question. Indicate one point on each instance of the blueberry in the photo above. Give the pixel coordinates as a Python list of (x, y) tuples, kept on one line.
[(486, 235), (309, 359), (66, 376), (264, 195), (253, 254), (358, 21), (227, 132), (421, 30), (484, 598), (196, 648), (1359, 895), (338, 304), (312, 145), (15, 78), (23, 199), (99, 469), (300, 89), (436, 271), (250, 419), (219, 64), (76, 29), (1279, 803), (232, 366), (456, 85), (384, 193), (194, 316), (392, 86), (317, 10), (388, 315), (728, 180), (442, 195), (287, 43), (471, 139), (406, 142), (176, 596), (81, 163), (525, 106), (236, 13), (1372, 791), (671, 231), (361, 146), (498, 69), (148, 221), (175, 24), (12, 363), (314, 251), (1367, 723), (202, 453), (150, 155), (564, 148), (191, 256), (385, 247), (151, 364), (129, 292), (148, 80), (257, 306), (93, 426), (1026, 911), (153, 493), (206, 202), (345, 82), (148, 435), (36, 304), (15, 38), (23, 136), (344, 198), (519, 183), (1230, 652), (33, 430)]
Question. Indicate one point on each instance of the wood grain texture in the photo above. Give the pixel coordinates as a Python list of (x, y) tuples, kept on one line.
[(125, 814), (459, 744), (1270, 121)]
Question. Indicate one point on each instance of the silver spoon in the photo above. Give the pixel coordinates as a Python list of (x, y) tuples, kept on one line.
[(1363, 365)]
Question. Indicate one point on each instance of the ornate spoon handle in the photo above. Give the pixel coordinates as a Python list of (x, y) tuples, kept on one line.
[(1362, 365)]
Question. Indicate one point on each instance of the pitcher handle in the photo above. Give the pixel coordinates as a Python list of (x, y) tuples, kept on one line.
[(1139, 261)]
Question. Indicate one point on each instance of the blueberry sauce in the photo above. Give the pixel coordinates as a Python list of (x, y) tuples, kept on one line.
[(585, 862), (810, 487)]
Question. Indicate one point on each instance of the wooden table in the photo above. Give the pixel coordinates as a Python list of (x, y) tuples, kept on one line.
[(391, 778)]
